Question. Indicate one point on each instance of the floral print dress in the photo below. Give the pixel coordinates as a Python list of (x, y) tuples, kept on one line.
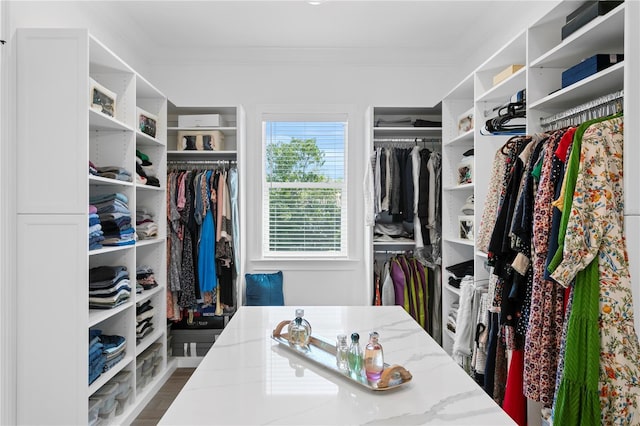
[(546, 311), (595, 230)]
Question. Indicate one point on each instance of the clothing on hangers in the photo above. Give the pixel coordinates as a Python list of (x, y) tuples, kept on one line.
[(201, 249)]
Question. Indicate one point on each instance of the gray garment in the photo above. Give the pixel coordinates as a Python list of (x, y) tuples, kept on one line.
[(377, 186), (435, 220), (197, 198)]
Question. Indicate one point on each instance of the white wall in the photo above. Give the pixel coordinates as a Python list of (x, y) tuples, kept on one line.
[(355, 87)]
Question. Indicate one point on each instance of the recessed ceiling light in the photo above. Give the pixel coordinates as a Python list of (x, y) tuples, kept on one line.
[(315, 2)]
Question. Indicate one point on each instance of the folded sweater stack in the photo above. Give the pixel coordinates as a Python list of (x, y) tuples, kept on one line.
[(109, 286), (115, 219)]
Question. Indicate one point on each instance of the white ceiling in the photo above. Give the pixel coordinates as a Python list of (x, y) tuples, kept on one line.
[(419, 32)]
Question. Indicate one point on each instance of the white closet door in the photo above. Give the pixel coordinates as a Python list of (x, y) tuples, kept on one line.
[(52, 123), (52, 339)]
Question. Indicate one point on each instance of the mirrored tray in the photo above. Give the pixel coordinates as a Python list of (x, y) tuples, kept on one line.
[(322, 352)]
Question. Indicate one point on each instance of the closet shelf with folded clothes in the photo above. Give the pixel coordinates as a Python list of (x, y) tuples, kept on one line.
[(96, 316), (146, 294), (99, 180), (148, 188)]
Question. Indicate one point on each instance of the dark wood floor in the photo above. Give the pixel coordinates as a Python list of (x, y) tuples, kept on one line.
[(156, 408)]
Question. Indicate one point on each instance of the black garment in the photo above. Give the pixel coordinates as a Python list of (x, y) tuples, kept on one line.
[(492, 343), (104, 273), (522, 224), (423, 197), (459, 270), (225, 282), (187, 296), (397, 192), (419, 122), (514, 292), (500, 252), (383, 173), (407, 187), (193, 227)]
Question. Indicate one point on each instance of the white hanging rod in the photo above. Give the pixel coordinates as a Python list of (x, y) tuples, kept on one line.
[(415, 140), (195, 164), (611, 98), (381, 251), (204, 162)]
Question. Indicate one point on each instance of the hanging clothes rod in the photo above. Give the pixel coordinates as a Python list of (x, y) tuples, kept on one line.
[(203, 162), (380, 251), (599, 107), (196, 164), (415, 140)]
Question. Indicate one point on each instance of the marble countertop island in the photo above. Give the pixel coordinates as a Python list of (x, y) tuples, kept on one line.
[(247, 378)]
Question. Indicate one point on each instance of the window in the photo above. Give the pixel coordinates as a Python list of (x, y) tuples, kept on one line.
[(304, 185)]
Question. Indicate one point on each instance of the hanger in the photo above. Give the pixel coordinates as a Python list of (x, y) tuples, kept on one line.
[(511, 142)]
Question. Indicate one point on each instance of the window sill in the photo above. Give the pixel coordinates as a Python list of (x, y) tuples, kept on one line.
[(306, 263)]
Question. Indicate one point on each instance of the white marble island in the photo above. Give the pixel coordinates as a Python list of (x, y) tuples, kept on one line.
[(249, 379)]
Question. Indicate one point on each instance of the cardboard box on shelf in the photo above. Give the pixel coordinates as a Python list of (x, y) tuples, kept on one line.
[(200, 120), (505, 73)]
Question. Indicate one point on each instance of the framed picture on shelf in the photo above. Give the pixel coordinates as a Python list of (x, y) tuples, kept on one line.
[(465, 171), (465, 227), (102, 99), (147, 122), (465, 122)]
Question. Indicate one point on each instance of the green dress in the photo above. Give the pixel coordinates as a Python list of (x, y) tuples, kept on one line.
[(600, 380)]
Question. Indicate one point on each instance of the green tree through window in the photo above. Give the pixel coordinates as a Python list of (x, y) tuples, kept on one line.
[(304, 196)]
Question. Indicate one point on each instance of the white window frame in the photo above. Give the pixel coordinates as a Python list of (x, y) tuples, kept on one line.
[(304, 114)]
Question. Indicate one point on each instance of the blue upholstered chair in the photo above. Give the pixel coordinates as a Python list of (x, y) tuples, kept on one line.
[(264, 289)]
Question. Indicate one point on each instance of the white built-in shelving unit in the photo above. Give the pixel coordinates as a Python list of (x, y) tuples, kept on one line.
[(545, 55), (402, 137), (232, 118), (58, 134), (230, 153)]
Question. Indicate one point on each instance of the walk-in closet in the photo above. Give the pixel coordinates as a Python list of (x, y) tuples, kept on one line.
[(319, 212)]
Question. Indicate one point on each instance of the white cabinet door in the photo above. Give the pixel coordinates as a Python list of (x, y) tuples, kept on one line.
[(52, 333), (52, 121)]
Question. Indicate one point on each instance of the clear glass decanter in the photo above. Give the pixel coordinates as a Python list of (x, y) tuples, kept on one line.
[(342, 352), (299, 330)]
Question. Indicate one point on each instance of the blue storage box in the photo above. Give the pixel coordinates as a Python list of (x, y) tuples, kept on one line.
[(589, 67)]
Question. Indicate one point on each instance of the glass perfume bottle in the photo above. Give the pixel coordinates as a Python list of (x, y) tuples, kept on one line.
[(355, 356), (342, 352), (373, 357), (299, 330)]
